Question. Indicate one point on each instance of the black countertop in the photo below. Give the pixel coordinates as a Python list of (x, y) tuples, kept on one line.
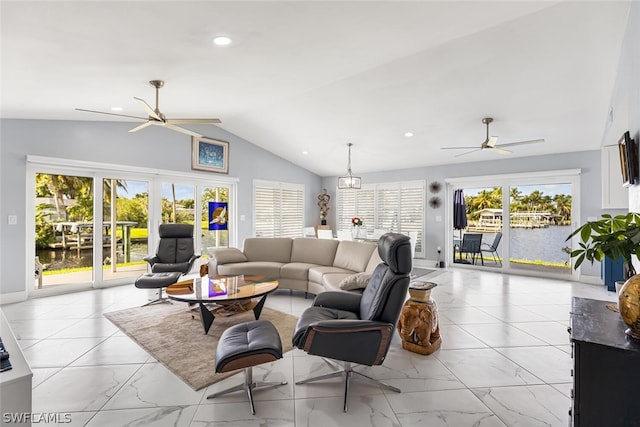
[(593, 322)]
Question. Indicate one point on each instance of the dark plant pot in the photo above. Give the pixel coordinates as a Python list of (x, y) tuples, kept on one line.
[(323, 222)]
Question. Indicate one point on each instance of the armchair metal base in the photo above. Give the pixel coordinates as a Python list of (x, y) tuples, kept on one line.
[(349, 373), (248, 386)]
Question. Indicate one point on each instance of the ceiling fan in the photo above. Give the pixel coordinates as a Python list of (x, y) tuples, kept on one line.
[(490, 143), (157, 118)]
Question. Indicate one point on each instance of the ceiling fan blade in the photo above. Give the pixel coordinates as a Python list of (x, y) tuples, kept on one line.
[(193, 121), (111, 114), (142, 126), (458, 148), (468, 152), (511, 144), (499, 150), (148, 108), (181, 129)]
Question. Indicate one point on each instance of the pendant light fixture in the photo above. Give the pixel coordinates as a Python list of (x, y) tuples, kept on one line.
[(349, 181)]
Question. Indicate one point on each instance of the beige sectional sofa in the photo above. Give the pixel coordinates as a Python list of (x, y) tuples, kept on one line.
[(305, 264)]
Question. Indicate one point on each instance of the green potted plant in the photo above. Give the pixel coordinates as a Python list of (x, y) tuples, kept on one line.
[(615, 237), (610, 236)]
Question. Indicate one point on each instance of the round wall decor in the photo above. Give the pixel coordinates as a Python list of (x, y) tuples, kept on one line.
[(434, 202), (435, 187)]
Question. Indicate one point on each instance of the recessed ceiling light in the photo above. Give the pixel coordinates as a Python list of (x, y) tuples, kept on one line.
[(305, 152), (222, 41), (116, 108), (408, 134)]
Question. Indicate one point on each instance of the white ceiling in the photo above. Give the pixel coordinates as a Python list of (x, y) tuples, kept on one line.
[(312, 76)]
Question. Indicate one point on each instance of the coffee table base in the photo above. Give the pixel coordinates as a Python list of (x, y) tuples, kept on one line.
[(208, 317)]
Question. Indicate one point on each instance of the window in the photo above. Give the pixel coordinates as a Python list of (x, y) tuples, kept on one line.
[(279, 209), (395, 206)]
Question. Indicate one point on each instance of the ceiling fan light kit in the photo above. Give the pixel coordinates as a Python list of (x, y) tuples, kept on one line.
[(155, 117), (490, 143), (348, 181)]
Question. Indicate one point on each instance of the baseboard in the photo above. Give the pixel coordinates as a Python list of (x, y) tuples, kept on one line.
[(10, 298), (591, 280)]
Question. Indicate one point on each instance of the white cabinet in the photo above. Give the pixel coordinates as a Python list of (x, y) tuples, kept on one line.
[(614, 195), (15, 384)]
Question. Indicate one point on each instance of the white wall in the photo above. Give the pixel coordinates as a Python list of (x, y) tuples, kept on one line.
[(109, 142), (627, 100)]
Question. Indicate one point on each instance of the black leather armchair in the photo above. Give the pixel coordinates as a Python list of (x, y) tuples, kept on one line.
[(354, 328), (175, 250)]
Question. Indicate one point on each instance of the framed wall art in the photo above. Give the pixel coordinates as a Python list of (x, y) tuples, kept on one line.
[(209, 154)]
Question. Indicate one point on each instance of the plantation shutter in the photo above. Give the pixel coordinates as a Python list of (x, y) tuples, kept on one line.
[(352, 203), (397, 207), (366, 208), (345, 208), (412, 212), (279, 209)]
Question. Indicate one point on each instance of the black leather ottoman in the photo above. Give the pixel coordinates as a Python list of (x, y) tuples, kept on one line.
[(246, 345), (157, 281)]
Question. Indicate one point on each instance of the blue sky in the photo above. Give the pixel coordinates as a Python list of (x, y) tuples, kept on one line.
[(137, 187), (547, 189)]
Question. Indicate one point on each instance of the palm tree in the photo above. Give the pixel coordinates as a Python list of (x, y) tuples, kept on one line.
[(514, 194), (563, 206), (60, 186)]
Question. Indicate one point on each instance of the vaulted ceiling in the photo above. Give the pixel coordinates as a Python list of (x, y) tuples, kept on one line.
[(311, 76)]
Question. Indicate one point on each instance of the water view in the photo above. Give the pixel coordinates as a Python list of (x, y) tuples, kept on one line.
[(537, 244)]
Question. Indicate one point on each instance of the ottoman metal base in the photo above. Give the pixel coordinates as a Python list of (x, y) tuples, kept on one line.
[(246, 345), (248, 386)]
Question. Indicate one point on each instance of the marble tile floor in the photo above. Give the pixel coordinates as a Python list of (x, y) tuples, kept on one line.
[(505, 361)]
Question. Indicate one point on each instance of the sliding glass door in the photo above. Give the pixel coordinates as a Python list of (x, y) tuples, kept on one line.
[(540, 224), (523, 220), (214, 224), (63, 220), (471, 242), (84, 216), (125, 231)]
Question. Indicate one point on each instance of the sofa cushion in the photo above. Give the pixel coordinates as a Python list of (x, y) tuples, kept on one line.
[(277, 249), (331, 281), (355, 281), (353, 256), (296, 270), (314, 251), (262, 268), (316, 274), (373, 261), (227, 255)]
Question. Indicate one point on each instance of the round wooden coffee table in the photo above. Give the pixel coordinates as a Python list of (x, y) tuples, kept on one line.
[(224, 294)]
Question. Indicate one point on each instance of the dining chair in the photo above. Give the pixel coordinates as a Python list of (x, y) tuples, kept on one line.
[(325, 234), (471, 248)]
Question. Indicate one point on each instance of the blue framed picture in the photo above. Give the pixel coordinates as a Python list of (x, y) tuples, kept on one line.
[(209, 154), (218, 216)]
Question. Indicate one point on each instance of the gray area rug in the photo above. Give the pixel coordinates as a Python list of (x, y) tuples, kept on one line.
[(173, 338)]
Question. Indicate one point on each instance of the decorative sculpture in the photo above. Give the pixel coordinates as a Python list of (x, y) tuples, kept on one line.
[(418, 323), (323, 203)]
